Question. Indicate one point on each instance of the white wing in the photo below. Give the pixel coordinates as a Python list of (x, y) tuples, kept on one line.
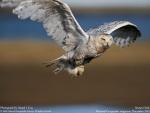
[(56, 17), (123, 32), (10, 3)]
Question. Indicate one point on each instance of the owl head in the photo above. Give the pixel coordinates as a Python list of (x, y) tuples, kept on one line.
[(105, 39)]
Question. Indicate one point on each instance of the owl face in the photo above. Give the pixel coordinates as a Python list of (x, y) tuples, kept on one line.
[(106, 40)]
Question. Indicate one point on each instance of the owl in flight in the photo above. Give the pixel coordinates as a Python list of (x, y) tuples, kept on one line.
[(60, 24)]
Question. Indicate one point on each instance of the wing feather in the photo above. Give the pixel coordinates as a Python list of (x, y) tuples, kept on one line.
[(123, 32), (56, 17)]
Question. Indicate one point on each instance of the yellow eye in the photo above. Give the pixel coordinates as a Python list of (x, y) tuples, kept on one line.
[(103, 39)]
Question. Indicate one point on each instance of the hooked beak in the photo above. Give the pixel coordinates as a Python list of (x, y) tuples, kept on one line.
[(106, 46)]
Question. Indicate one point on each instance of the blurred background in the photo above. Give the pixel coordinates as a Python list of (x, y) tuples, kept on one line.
[(120, 77)]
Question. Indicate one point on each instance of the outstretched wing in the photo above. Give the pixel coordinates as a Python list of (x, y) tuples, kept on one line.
[(123, 32), (56, 17), (10, 3)]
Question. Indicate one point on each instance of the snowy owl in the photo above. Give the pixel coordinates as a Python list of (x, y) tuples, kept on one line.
[(60, 24)]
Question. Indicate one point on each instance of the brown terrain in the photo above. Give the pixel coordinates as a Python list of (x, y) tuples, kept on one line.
[(120, 76)]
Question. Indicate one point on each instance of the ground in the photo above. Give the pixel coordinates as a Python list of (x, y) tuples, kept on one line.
[(120, 76)]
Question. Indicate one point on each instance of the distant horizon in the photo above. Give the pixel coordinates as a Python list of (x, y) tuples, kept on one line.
[(107, 6), (112, 3)]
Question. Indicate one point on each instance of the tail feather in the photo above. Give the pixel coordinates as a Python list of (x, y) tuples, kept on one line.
[(59, 64), (52, 63)]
